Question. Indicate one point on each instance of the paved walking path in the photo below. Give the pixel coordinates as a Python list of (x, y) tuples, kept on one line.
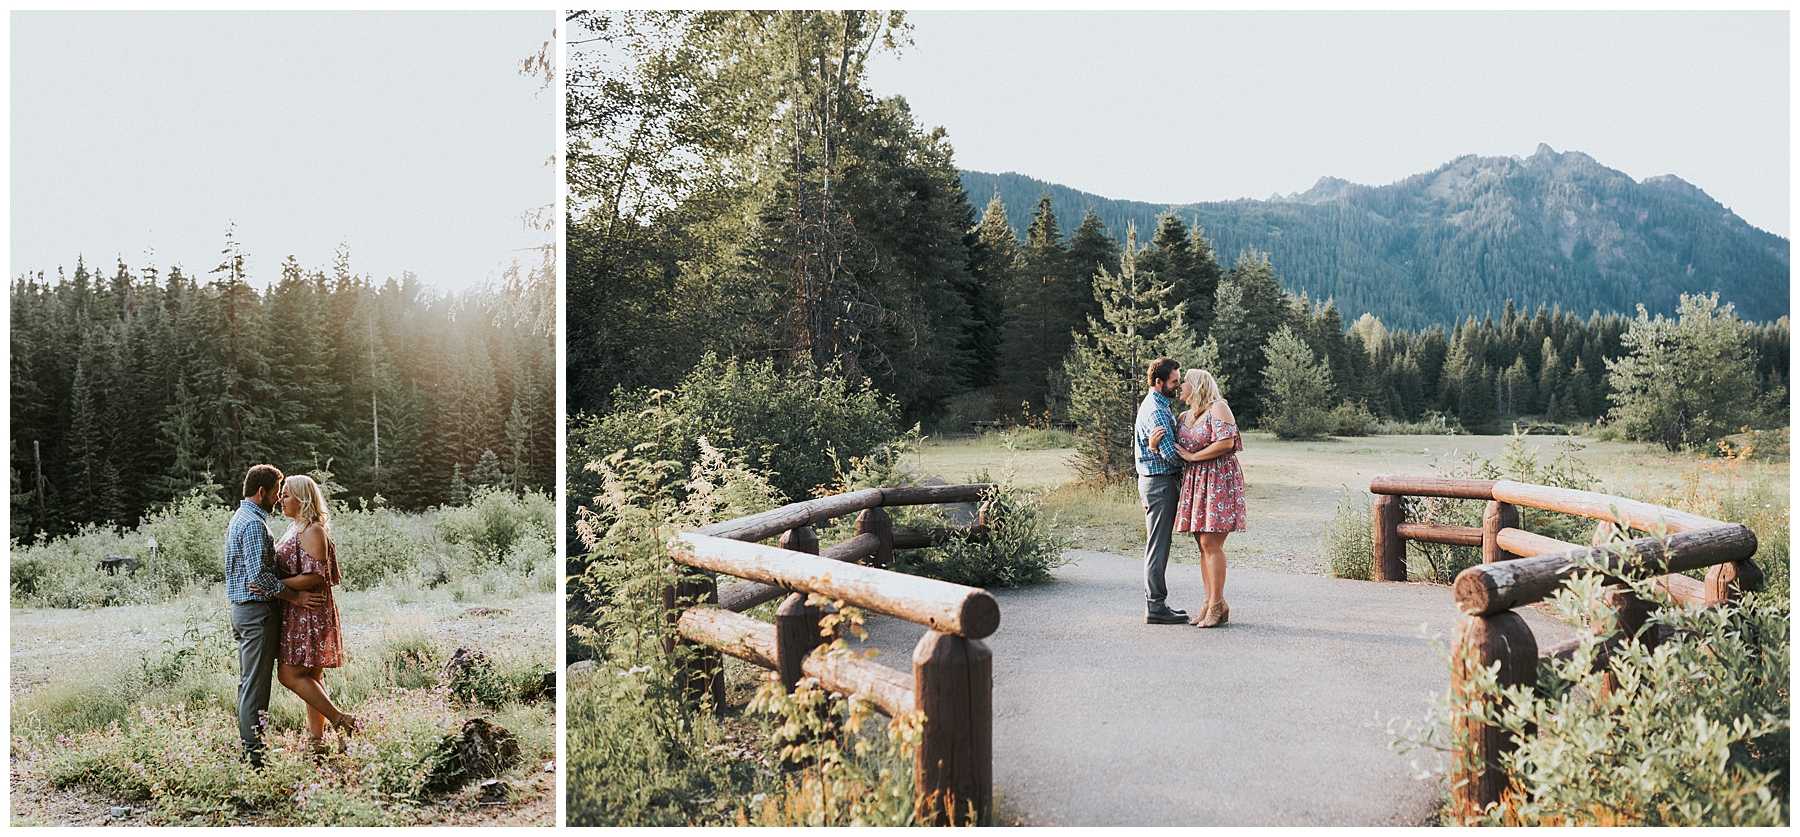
[(1277, 718)]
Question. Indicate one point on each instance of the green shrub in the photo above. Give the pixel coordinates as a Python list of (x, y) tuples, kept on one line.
[(1349, 538), (1347, 419), (1021, 548), (373, 546), (786, 425), (494, 521), (1039, 438), (1697, 734)]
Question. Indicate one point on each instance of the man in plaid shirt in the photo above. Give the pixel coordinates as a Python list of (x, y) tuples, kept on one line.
[(256, 617), (1159, 486)]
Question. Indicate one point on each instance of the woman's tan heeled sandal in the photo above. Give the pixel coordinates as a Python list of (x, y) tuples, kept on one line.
[(347, 725), (1205, 611), (1216, 614)]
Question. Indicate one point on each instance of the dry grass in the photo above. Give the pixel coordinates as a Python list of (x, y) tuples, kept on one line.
[(1294, 486)]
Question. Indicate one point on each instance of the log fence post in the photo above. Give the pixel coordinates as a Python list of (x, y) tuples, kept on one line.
[(699, 668), (1729, 582), (1477, 777), (877, 522), (801, 539), (953, 682), (1390, 548), (1495, 517)]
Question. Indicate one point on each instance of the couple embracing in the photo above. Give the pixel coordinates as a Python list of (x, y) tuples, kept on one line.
[(281, 604), (1189, 481)]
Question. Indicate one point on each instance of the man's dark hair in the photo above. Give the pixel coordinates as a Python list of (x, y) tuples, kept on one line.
[(261, 476), (1162, 368)]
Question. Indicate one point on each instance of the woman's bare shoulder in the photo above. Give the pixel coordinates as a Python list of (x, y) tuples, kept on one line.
[(1221, 411)]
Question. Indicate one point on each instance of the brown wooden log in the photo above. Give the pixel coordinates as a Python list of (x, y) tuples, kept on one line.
[(1637, 515), (926, 495), (1683, 590), (1477, 778), (888, 689), (796, 635), (1491, 588), (1495, 517), (1530, 544), (954, 765), (794, 515), (1729, 582), (744, 595), (750, 640), (1432, 487), (876, 522), (952, 608), (698, 669), (1389, 547), (753, 641), (801, 539), (1437, 533)]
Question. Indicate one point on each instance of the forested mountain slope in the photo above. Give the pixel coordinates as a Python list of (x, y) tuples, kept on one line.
[(1552, 228)]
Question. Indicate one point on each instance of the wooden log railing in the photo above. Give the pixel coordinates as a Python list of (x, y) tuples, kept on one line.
[(951, 681), (1520, 568)]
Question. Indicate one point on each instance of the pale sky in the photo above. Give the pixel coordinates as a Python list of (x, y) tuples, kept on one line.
[(1180, 107), (410, 137)]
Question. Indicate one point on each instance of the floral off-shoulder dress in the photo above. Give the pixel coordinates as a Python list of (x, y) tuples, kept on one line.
[(310, 638), (1212, 492)]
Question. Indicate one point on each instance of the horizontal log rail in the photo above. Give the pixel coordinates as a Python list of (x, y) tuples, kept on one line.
[(940, 605), (951, 683), (1520, 568)]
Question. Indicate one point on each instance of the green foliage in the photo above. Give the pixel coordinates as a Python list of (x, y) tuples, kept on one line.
[(1394, 251), (1349, 545), (496, 521), (1298, 388), (1685, 384), (1697, 734), (1021, 548), (787, 425), (850, 779), (1347, 419), (376, 545), (152, 394), (1139, 321)]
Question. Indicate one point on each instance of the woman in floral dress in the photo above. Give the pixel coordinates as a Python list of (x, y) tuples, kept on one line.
[(310, 639), (1212, 486)]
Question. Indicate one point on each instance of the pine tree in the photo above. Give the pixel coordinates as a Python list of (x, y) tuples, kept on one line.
[(1106, 368), (1297, 385), (1687, 382)]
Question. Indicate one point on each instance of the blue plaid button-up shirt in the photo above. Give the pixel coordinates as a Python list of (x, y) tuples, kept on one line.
[(249, 555), (1162, 459)]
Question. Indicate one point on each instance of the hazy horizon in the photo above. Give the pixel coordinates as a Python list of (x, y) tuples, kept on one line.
[(408, 137)]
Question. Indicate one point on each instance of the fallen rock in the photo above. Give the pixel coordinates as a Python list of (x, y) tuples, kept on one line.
[(495, 791), (481, 750)]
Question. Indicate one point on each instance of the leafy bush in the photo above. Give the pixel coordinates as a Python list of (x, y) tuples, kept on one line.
[(1347, 419), (1021, 548), (495, 519), (1697, 733), (849, 779), (1349, 541), (191, 531), (373, 546), (787, 425)]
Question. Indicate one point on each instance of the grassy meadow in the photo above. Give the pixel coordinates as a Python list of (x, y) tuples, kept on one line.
[(123, 707), (1294, 487)]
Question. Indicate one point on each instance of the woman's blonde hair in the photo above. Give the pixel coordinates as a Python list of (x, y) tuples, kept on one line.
[(312, 501), (1202, 392)]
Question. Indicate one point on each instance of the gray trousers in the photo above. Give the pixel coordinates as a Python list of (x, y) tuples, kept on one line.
[(1160, 494), (257, 628)]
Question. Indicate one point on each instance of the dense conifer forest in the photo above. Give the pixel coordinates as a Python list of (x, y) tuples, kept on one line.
[(135, 386)]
